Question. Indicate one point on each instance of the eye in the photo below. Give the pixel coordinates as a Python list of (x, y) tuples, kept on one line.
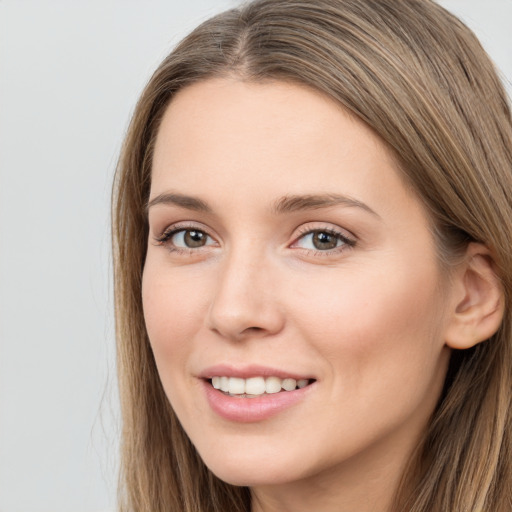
[(178, 238), (190, 238), (323, 240)]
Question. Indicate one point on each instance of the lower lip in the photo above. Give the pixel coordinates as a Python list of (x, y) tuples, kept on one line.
[(250, 410)]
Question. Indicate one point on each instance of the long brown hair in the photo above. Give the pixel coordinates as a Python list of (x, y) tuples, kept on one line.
[(421, 80)]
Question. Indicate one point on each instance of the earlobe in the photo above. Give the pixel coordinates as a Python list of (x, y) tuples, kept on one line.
[(478, 304)]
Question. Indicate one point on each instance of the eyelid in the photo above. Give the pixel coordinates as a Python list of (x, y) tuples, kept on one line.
[(348, 239), (166, 234)]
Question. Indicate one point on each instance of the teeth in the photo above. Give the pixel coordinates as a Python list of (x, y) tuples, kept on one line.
[(273, 384), (289, 384), (256, 386), (224, 384), (236, 386)]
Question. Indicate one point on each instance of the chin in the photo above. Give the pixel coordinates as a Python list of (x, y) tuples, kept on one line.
[(239, 471), (249, 477)]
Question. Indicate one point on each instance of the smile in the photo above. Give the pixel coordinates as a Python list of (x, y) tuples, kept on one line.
[(256, 386), (245, 399)]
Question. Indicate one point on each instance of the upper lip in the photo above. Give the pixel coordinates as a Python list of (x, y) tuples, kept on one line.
[(246, 372)]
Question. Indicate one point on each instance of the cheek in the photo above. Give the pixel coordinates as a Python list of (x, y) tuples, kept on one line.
[(173, 309), (173, 312), (380, 339), (374, 323)]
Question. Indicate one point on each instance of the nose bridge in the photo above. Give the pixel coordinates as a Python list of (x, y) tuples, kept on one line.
[(245, 300)]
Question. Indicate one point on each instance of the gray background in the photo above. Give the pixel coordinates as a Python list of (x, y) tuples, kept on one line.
[(70, 73)]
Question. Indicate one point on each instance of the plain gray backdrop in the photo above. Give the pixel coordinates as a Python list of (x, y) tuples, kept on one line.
[(70, 74)]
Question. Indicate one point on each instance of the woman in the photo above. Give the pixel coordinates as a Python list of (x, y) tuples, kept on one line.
[(312, 223)]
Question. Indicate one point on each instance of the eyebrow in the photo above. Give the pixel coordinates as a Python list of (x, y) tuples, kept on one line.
[(294, 203), (184, 201), (286, 204)]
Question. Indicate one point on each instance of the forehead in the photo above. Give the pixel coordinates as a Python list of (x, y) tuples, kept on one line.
[(265, 139)]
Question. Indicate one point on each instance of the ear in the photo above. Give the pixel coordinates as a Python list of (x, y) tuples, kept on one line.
[(478, 301)]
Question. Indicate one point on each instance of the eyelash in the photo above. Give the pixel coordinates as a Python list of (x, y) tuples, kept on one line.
[(347, 242), (166, 236), (169, 233)]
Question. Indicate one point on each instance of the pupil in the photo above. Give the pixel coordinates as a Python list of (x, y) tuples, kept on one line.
[(323, 240), (195, 238)]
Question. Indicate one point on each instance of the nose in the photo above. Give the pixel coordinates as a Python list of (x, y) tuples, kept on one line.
[(245, 303)]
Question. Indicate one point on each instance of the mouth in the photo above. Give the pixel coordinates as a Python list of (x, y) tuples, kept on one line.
[(256, 387), (251, 394)]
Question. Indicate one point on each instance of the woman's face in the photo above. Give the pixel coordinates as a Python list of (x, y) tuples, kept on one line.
[(284, 250)]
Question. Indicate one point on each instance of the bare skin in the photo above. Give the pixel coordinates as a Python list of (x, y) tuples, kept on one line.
[(281, 235)]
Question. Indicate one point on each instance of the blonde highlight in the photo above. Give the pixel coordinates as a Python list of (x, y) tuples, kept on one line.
[(421, 80)]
